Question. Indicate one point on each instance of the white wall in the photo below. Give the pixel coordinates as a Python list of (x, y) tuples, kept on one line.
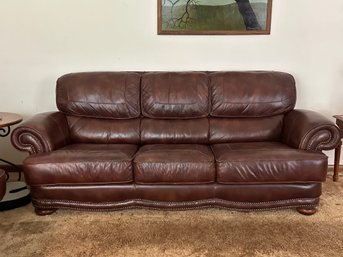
[(43, 39)]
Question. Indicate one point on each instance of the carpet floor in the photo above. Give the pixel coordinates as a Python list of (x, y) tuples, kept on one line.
[(203, 233)]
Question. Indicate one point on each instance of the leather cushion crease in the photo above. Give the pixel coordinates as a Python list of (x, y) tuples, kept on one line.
[(174, 164), (175, 95), (82, 163), (103, 131), (267, 162), (223, 130), (251, 94), (176, 141), (101, 94), (161, 131)]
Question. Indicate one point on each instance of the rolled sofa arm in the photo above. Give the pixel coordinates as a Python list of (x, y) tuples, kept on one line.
[(42, 133), (309, 130)]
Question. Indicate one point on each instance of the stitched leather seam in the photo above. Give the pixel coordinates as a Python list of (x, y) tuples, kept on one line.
[(36, 134), (167, 183), (57, 122), (99, 116), (255, 103), (34, 149), (169, 203), (179, 209), (23, 146), (321, 144), (176, 150), (308, 135), (174, 162), (81, 184), (82, 162), (269, 161)]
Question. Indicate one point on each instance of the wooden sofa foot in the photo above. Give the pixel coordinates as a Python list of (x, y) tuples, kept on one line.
[(307, 211), (43, 212)]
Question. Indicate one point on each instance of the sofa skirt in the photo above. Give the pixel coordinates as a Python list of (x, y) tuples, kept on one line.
[(241, 197)]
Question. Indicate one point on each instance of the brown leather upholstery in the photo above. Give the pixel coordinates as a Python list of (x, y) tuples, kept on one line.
[(113, 95), (155, 131), (251, 94), (267, 162), (245, 129), (42, 133), (175, 95), (2, 184), (174, 164), (82, 163), (309, 130), (175, 140), (103, 131), (236, 196)]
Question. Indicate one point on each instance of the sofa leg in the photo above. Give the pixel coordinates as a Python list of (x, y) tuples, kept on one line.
[(307, 211), (43, 212)]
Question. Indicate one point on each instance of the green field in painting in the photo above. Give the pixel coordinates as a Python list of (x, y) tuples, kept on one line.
[(203, 17)]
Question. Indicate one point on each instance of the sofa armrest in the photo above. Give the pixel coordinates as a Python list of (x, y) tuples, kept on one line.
[(43, 132), (309, 130)]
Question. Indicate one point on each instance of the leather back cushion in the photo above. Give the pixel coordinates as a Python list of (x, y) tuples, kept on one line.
[(251, 94), (113, 95), (175, 95), (103, 131), (154, 131), (245, 129)]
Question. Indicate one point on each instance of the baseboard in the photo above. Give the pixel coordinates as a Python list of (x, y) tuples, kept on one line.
[(331, 168)]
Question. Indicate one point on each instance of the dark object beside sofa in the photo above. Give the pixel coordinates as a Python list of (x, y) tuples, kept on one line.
[(176, 140), (2, 183)]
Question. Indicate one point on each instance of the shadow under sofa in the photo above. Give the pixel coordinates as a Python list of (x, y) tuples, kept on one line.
[(176, 141)]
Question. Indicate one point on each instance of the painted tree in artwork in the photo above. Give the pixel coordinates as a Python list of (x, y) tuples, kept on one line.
[(248, 15), (181, 19)]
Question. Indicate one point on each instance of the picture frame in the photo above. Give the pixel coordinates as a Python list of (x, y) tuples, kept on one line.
[(214, 17)]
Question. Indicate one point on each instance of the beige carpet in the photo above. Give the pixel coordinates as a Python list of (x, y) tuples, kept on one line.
[(204, 233)]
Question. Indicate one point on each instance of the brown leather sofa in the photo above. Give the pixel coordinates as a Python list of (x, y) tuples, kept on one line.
[(176, 140)]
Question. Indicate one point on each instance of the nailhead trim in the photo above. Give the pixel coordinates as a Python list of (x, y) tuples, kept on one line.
[(213, 203), (180, 209)]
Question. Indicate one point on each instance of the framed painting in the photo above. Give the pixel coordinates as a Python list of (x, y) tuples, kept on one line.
[(214, 17)]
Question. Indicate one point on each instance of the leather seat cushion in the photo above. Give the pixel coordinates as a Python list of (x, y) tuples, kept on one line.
[(174, 164), (82, 163), (267, 162)]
